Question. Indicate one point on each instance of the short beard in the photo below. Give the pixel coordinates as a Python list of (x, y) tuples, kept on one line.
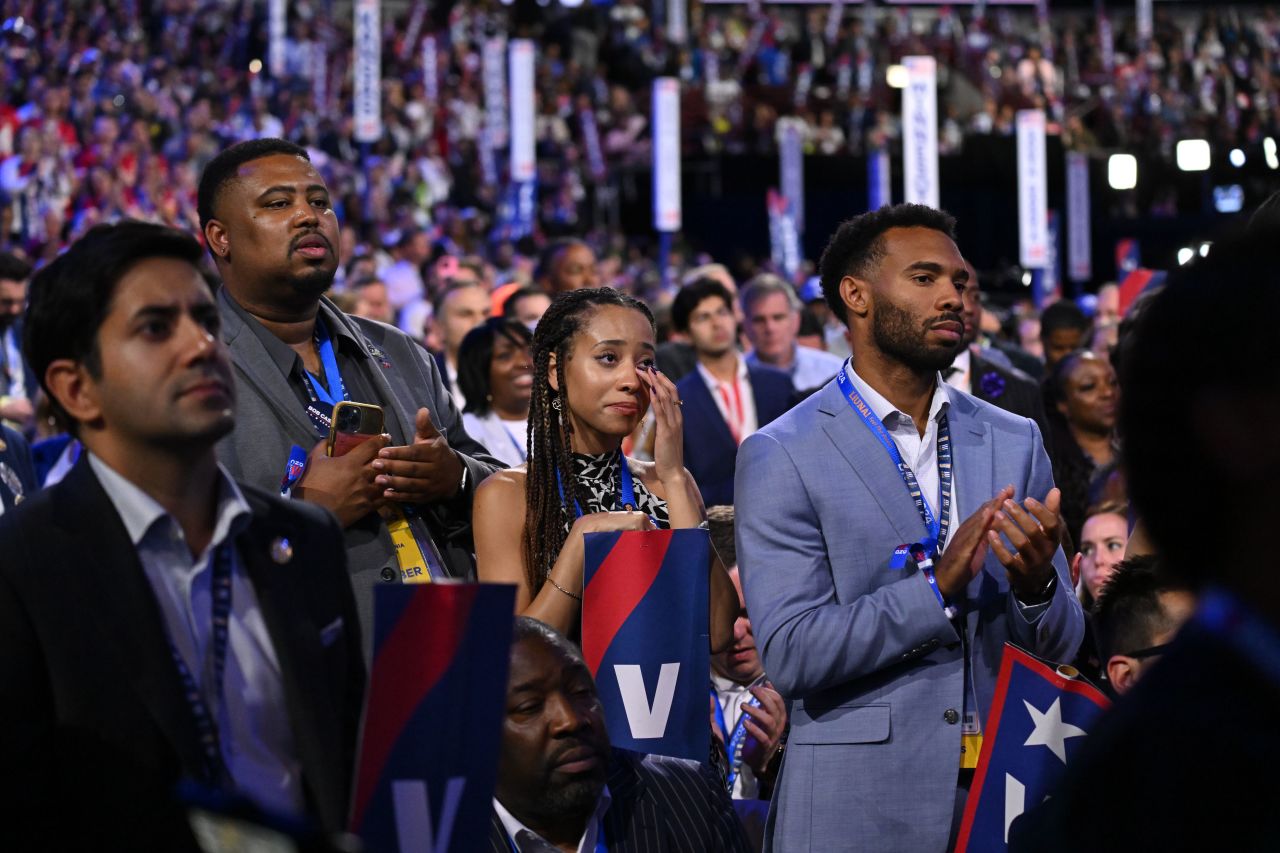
[(577, 799), (314, 283), (896, 334)]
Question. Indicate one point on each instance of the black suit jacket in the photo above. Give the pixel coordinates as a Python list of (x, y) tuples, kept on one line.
[(659, 805), (96, 728), (1185, 762), (710, 453), (1012, 392)]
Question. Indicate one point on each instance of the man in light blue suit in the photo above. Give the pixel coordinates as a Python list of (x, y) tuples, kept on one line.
[(886, 643)]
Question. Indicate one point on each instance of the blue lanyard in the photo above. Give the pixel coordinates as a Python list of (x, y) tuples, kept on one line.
[(204, 712), (626, 488), (332, 378), (732, 741), (936, 527)]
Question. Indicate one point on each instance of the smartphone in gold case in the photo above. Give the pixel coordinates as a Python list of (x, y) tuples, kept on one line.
[(352, 424)]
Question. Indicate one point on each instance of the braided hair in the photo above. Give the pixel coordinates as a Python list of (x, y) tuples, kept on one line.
[(549, 428)]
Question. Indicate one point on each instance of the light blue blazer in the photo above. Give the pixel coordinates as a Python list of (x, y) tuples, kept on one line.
[(863, 652)]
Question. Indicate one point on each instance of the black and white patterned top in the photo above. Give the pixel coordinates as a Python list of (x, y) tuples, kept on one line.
[(600, 489)]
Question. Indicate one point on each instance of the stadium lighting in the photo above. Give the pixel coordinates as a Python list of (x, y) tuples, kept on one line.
[(1185, 254), (896, 76), (1269, 150), (1026, 278), (1122, 171), (1204, 249), (255, 66), (1236, 157), (1193, 155)]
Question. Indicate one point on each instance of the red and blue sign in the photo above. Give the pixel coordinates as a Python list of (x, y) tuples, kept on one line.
[(645, 638), (432, 729), (1038, 722)]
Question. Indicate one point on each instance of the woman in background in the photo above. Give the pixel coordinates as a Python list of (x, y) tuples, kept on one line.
[(495, 373)]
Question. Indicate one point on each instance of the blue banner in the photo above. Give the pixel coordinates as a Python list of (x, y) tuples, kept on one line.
[(879, 192), (645, 638), (433, 720), (1037, 723)]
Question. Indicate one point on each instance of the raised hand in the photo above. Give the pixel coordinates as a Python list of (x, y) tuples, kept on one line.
[(668, 444), (1034, 531), (967, 548), (765, 726), (426, 470)]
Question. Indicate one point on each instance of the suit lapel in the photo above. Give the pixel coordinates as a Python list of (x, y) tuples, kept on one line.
[(973, 457), (124, 606), (257, 368), (704, 411), (295, 638), (387, 397), (631, 823), (871, 463)]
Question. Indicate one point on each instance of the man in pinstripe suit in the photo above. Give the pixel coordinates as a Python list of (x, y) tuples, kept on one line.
[(562, 787)]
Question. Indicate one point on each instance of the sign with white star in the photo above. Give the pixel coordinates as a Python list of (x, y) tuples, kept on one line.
[(1038, 720)]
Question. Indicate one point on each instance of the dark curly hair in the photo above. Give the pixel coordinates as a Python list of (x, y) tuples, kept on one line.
[(1073, 470), (858, 244), (549, 429)]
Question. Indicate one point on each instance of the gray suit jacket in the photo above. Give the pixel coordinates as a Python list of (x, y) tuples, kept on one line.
[(269, 421), (864, 652)]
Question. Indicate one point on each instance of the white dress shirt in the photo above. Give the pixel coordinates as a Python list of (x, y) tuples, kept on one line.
[(535, 843), (960, 374), (735, 400), (919, 452), (253, 729)]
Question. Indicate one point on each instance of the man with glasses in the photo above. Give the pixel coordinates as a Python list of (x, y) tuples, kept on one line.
[(1138, 613)]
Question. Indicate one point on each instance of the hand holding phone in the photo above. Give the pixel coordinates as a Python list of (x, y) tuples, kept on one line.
[(352, 425)]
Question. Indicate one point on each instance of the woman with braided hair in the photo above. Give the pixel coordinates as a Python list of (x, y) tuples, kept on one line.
[(594, 378)]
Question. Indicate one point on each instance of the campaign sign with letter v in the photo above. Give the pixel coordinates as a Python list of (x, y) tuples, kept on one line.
[(1039, 717), (429, 744), (645, 638)]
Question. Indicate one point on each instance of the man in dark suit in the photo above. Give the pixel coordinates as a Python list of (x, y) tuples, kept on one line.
[(1186, 761), (270, 226), (987, 374), (724, 398), (561, 785), (158, 620)]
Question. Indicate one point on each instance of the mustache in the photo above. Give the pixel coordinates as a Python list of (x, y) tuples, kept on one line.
[(293, 244), (947, 317), (572, 744)]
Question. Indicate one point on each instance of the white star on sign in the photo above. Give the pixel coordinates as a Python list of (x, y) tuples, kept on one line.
[(1050, 731)]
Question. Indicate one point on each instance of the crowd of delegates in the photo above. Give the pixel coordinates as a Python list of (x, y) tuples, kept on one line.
[(112, 110), (187, 409)]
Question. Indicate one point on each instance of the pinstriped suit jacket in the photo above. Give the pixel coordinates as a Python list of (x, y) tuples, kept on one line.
[(660, 805)]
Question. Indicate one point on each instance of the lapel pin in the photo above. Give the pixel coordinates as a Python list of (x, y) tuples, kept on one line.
[(281, 550)]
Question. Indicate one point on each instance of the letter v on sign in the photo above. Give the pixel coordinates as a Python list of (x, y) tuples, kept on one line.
[(645, 720), (414, 828)]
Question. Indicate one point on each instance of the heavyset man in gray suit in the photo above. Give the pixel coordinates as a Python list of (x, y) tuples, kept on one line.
[(886, 658), (271, 228)]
